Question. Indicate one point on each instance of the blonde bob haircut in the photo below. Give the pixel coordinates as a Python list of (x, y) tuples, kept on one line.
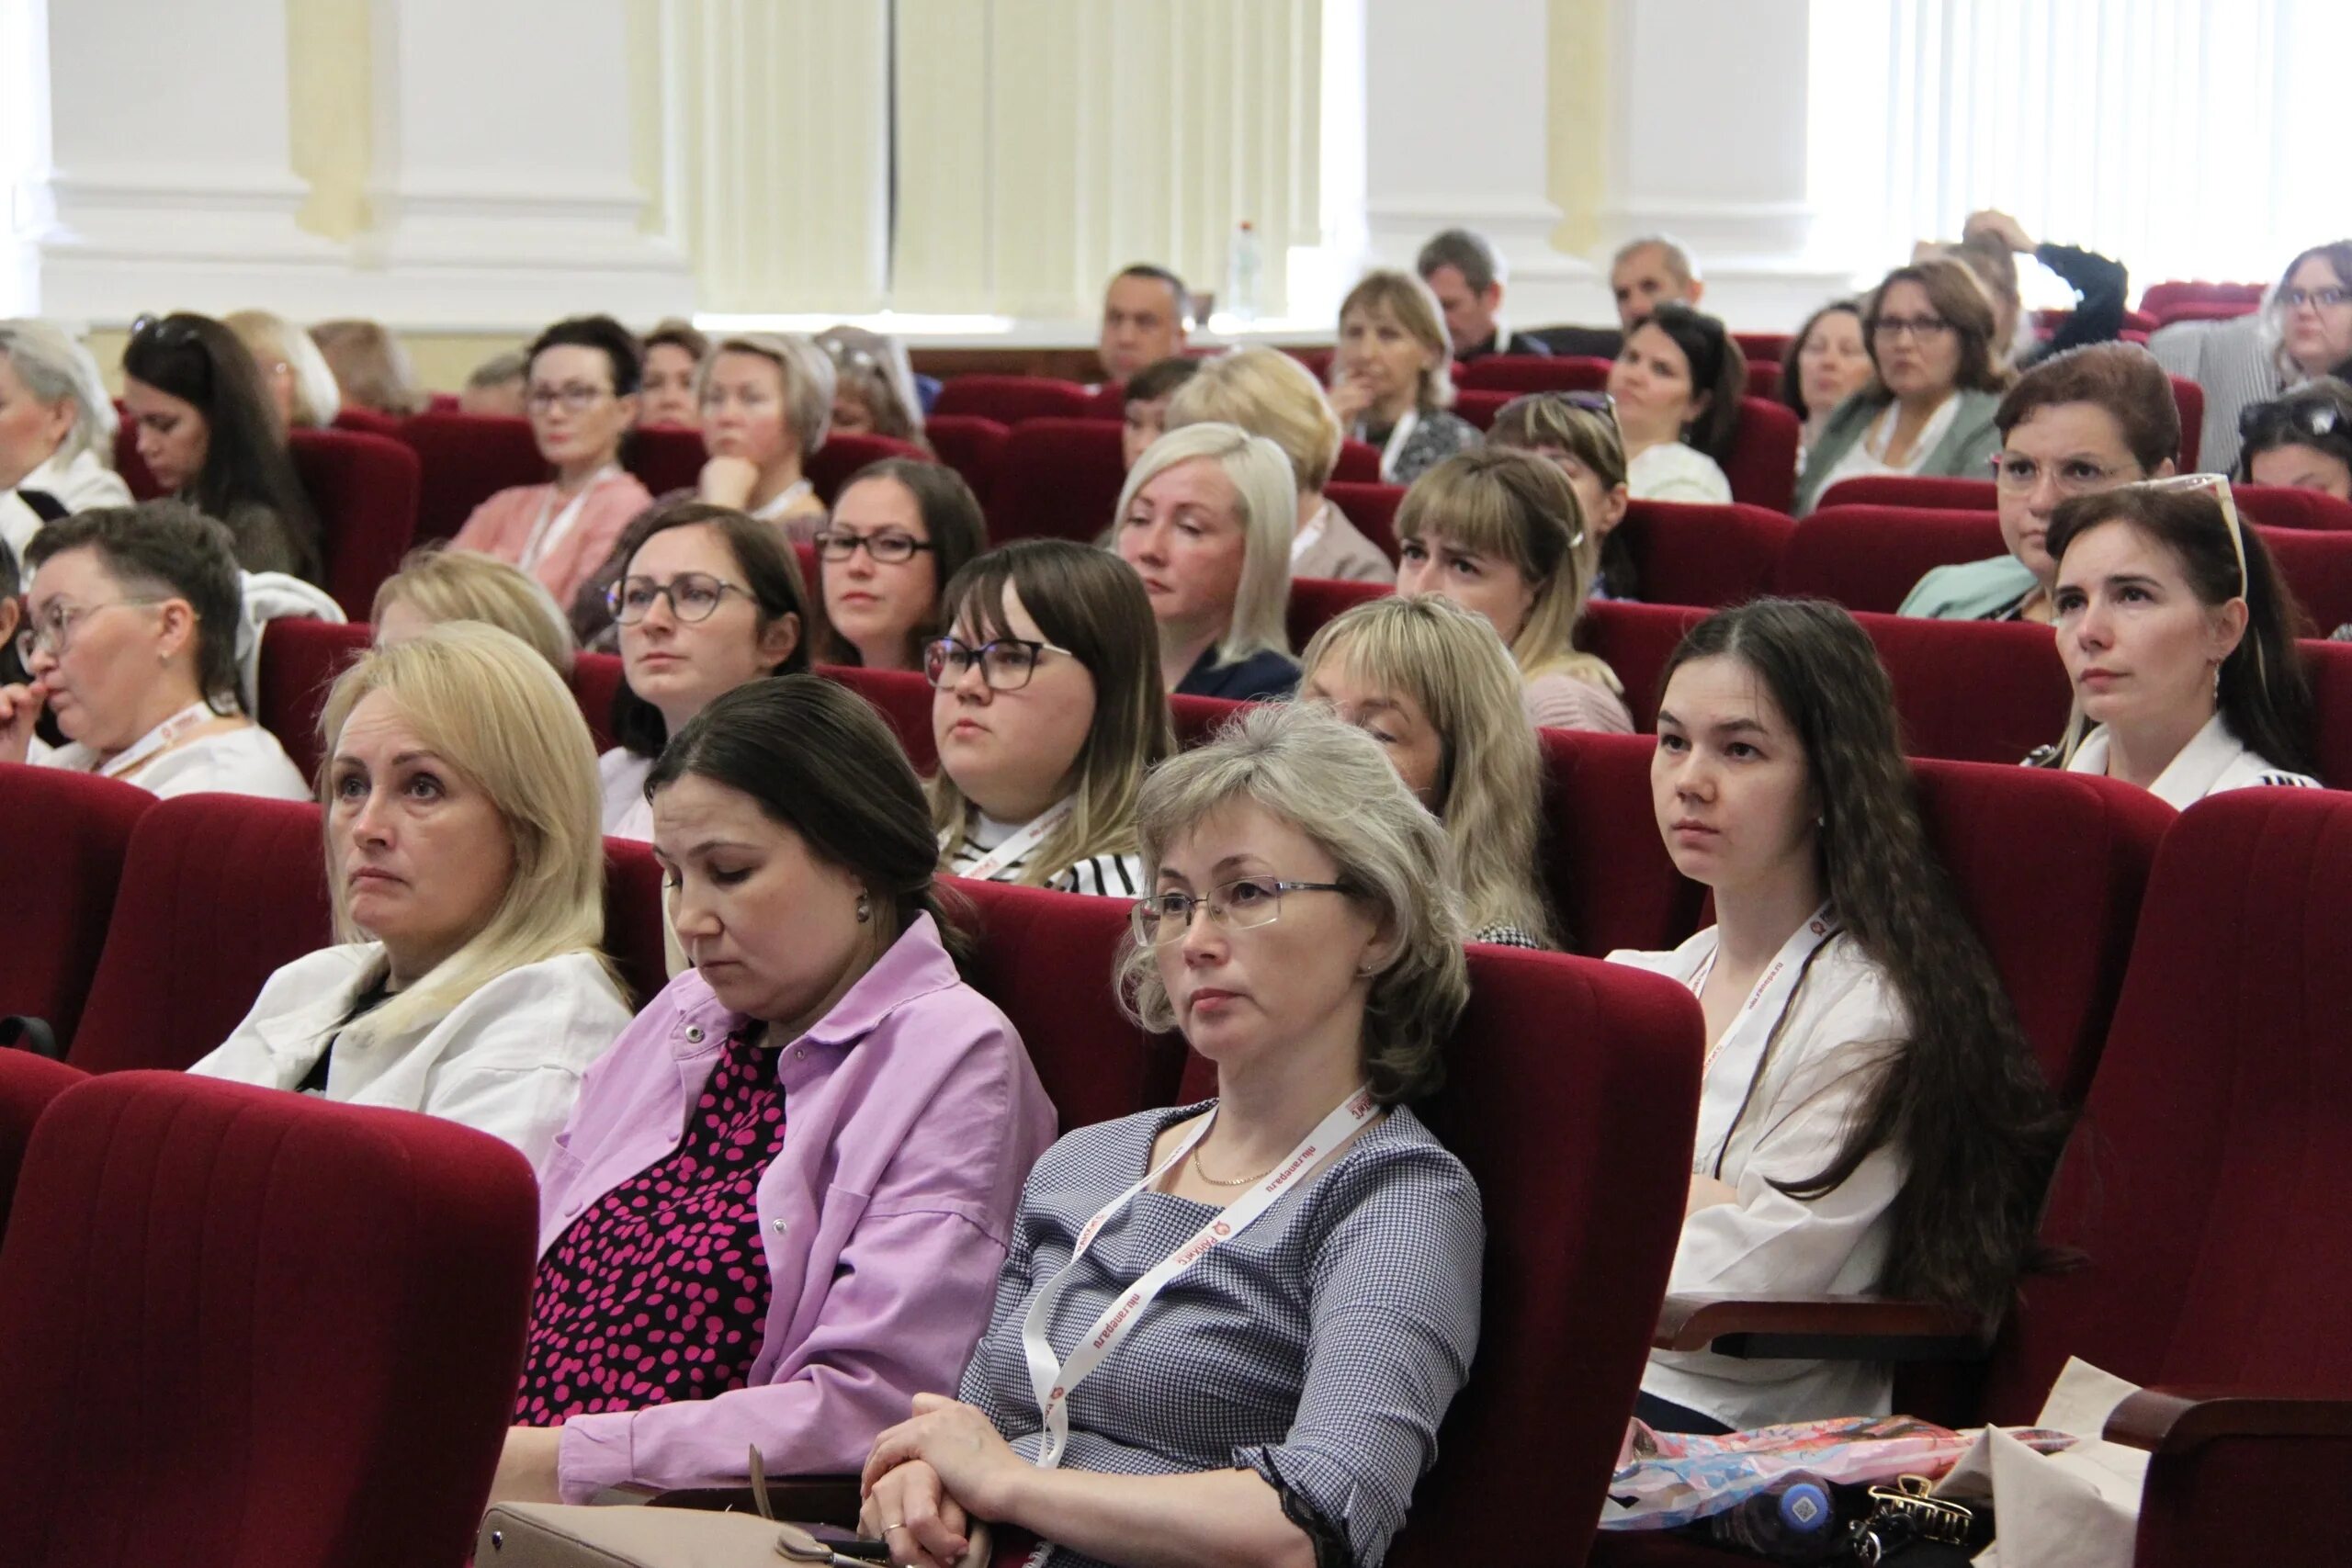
[(1490, 772), (1268, 393), (1296, 762), (444, 585), (274, 341), (1265, 499), (1407, 300), (494, 712), (1498, 501), (809, 380)]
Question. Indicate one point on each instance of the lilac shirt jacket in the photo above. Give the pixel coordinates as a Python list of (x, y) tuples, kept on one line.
[(911, 1118)]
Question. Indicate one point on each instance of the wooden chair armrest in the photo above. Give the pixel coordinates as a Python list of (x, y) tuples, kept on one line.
[(2179, 1421), (805, 1499), (1832, 1329)]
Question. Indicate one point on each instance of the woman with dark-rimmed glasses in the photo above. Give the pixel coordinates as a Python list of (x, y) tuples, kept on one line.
[(901, 529), (1048, 713)]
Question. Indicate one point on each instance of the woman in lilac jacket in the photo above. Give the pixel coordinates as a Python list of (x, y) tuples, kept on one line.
[(781, 1203)]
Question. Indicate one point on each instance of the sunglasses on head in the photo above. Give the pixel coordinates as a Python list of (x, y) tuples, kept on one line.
[(2260, 423)]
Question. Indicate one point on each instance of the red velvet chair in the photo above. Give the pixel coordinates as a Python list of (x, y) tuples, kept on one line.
[(300, 662), (2189, 398), (1012, 399), (971, 446), (596, 677), (1911, 494), (835, 463), (1518, 373), (665, 457), (28, 1084), (1635, 640), (1870, 558), (635, 917), (903, 699), (242, 1327), (1763, 348), (1314, 600), (463, 460), (1110, 401), (2276, 507), (1610, 881), (1972, 691), (1686, 554), (1479, 405), (2318, 569), (1762, 463), (1316, 360), (2168, 302), (1060, 479), (2329, 666), (1371, 508), (364, 488), (68, 835), (1197, 719), (1764, 378), (1359, 464), (367, 422)]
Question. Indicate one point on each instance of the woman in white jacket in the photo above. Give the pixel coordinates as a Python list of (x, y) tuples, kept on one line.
[(57, 428), (467, 873)]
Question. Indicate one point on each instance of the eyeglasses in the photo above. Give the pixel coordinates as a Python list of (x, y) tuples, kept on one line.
[(887, 549), (1918, 327), (1243, 904), (693, 595), (575, 397), (2326, 298), (2220, 489), (52, 632), (2017, 474), (1006, 663)]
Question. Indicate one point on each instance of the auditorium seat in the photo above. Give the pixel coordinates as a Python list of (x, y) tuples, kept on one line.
[(1013, 400), (2329, 665), (68, 835), (127, 460), (1110, 401), (1764, 378), (1316, 360), (971, 446), (28, 1084), (838, 460), (1480, 406), (2318, 569), (595, 679), (365, 422), (1517, 373), (1763, 348), (1371, 508), (1687, 553), (1762, 462), (1060, 478), (1606, 870), (2189, 398), (903, 698), (364, 488), (2277, 506), (1358, 463), (1635, 640), (1314, 600), (1910, 492), (665, 457), (2200, 301), (1870, 558), (242, 1327), (1197, 719), (300, 662), (636, 918), (464, 459)]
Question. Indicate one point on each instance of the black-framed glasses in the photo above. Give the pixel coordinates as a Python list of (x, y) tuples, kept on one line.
[(2326, 298), (1921, 328), (1243, 904), (1005, 663), (576, 397), (53, 631), (693, 595), (2017, 474), (892, 548)]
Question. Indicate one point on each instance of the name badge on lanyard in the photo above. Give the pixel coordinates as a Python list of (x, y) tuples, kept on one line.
[(1394, 452), (158, 740), (1739, 1050), (1015, 850)]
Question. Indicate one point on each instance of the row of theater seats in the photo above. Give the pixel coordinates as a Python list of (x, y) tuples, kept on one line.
[(2163, 968)]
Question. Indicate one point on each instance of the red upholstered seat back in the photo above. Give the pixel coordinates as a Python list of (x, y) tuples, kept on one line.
[(2197, 300), (365, 491), (1010, 400), (1870, 558), (1371, 508), (838, 460), (1517, 373), (2329, 666), (595, 679), (666, 457), (1060, 478), (1479, 405), (2276, 507), (463, 460), (1971, 691), (1635, 640), (1763, 378), (367, 422), (27, 1084), (1610, 881), (2189, 398), (242, 1327), (2205, 1185), (1046, 959), (1314, 600), (903, 699), (68, 834), (2318, 569), (1358, 463), (1704, 554), (127, 460), (1762, 348), (300, 662), (217, 892), (635, 917), (1909, 490), (1762, 462), (971, 446), (1197, 719)]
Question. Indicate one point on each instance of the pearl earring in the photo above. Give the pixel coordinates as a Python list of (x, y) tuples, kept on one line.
[(865, 909)]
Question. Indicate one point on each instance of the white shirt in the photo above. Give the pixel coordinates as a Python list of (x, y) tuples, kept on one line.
[(79, 485), (2213, 760), (1867, 457), (507, 1061), (620, 779), (1672, 471), (1841, 1021), (244, 760)]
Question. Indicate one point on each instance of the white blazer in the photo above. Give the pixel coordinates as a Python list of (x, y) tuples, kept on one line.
[(77, 486), (244, 760), (620, 781), (1841, 1024), (2213, 760), (507, 1061)]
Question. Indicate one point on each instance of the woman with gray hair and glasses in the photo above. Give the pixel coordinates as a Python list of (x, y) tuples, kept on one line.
[(57, 430), (1301, 1244)]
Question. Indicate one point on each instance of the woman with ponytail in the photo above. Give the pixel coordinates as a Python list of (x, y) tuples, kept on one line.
[(779, 1211), (1872, 1119)]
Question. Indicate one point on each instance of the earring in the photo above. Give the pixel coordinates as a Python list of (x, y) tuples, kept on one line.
[(865, 909)]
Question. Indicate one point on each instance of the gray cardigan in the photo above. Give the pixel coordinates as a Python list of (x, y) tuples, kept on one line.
[(1962, 454)]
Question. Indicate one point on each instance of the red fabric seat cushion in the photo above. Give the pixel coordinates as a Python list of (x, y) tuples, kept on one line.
[(1314, 600), (1686, 554), (1605, 868), (1517, 373), (1762, 462), (464, 459), (971, 446), (68, 834), (837, 462), (665, 457), (1871, 557), (1372, 509), (1013, 400), (365, 489), (1911, 491), (1059, 479), (300, 662)]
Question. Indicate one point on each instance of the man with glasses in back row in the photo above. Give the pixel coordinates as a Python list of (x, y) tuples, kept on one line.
[(2087, 420)]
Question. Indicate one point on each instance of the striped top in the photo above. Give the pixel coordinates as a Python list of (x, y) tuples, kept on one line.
[(1100, 876), (2235, 362)]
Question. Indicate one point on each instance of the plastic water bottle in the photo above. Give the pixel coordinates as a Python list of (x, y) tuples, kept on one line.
[(1242, 273), (1793, 1521)]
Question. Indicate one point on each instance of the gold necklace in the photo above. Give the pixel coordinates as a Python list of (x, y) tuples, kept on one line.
[(1213, 1182)]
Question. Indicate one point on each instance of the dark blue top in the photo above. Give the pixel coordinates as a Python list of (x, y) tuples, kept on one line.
[(1262, 677)]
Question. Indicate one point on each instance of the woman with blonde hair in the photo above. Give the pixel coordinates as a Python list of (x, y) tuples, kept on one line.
[(1427, 680), (1047, 714), (370, 367), (435, 585), (467, 873), (873, 386), (1392, 380), (1501, 533), (1206, 520), (1268, 393), (1577, 432), (293, 369), (767, 405)]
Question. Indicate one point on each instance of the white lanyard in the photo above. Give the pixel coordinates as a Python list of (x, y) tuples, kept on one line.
[(1303, 540), (1395, 447), (784, 500), (1014, 850), (160, 739), (1722, 1096), (547, 533), (1052, 1380)]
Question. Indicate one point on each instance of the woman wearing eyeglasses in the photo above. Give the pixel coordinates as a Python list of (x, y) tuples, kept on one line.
[(2303, 330), (901, 530), (1047, 714), (2180, 639), (2080, 422), (1576, 433), (2303, 441), (1276, 1398), (1929, 329), (709, 600), (130, 639), (581, 392)]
